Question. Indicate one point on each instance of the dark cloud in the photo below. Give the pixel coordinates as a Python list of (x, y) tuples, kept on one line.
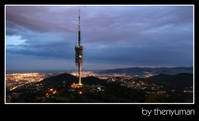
[(41, 19), (130, 35)]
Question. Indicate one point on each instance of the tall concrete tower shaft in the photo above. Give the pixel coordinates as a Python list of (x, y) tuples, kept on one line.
[(79, 54)]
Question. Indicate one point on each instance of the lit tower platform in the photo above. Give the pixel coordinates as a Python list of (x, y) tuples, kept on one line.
[(79, 54)]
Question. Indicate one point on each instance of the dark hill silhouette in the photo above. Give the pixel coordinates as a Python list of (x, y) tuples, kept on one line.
[(69, 79), (65, 78), (93, 80), (181, 80)]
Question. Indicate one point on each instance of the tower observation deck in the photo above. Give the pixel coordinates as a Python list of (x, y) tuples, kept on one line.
[(79, 54)]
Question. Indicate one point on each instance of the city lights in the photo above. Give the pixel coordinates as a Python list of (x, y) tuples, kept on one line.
[(15, 80), (80, 92)]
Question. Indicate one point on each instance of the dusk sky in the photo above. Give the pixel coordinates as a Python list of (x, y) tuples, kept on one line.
[(43, 37)]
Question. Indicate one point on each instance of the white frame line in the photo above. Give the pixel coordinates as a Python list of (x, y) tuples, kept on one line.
[(101, 5)]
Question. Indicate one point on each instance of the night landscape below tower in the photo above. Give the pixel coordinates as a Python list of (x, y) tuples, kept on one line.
[(159, 85)]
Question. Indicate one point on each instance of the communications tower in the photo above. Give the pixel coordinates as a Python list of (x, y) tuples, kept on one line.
[(79, 54)]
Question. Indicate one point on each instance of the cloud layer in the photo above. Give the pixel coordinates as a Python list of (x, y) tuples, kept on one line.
[(112, 36)]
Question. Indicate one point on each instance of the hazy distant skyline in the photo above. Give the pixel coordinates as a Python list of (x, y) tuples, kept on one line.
[(43, 37)]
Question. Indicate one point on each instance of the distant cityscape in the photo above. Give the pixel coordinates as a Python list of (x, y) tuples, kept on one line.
[(142, 81), (14, 80)]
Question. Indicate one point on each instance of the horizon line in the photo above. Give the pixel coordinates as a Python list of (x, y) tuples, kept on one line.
[(85, 70)]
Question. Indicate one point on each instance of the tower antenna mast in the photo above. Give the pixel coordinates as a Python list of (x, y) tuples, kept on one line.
[(79, 34)]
